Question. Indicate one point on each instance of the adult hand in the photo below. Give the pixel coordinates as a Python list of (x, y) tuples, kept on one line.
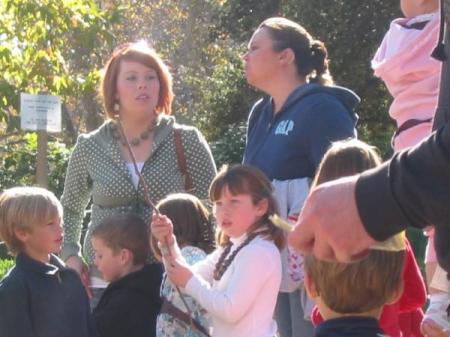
[(76, 263), (329, 225), (178, 272)]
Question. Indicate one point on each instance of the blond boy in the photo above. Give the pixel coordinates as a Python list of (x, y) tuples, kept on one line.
[(350, 297), (39, 297)]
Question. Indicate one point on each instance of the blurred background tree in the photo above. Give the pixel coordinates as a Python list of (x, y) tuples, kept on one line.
[(55, 47)]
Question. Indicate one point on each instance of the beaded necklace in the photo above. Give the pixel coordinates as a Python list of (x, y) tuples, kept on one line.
[(136, 141), (223, 263)]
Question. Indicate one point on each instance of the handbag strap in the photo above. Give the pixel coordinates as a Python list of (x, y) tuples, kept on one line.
[(181, 159), (170, 309)]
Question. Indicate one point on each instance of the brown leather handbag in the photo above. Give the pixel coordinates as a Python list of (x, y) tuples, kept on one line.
[(181, 159)]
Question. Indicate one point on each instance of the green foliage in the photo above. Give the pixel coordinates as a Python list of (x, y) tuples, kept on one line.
[(18, 162), (241, 18), (226, 98), (229, 148), (5, 265), (52, 46)]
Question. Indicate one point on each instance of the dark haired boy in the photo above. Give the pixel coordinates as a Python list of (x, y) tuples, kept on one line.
[(130, 304)]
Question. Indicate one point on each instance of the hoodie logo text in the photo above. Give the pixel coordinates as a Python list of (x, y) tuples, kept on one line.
[(284, 127)]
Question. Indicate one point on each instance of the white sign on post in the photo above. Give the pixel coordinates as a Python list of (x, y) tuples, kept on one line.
[(40, 112)]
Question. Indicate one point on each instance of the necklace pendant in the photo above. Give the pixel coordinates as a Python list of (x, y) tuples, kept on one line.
[(135, 142)]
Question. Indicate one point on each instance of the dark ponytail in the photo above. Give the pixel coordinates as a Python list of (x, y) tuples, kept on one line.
[(319, 63), (311, 57)]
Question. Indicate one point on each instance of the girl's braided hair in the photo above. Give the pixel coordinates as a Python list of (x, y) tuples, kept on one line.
[(241, 179)]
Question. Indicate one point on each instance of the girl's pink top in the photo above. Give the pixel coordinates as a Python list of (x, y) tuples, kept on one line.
[(411, 75)]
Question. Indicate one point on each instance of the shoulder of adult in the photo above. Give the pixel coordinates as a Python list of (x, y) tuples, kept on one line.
[(102, 134), (171, 122), (184, 128), (260, 103), (198, 162), (189, 135), (334, 104), (164, 120), (317, 93), (166, 124), (257, 108), (98, 132)]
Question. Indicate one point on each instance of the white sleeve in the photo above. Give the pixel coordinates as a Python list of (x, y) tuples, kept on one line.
[(253, 265)]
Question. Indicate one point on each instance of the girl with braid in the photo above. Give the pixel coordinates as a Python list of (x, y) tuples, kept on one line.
[(238, 283)]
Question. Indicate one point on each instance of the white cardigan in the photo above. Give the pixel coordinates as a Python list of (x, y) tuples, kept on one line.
[(242, 303)]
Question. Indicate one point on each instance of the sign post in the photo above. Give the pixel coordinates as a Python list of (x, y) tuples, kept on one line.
[(40, 113), (41, 159)]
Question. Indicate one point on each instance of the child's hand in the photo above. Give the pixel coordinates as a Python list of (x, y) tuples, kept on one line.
[(162, 229), (76, 263), (179, 273), (430, 328)]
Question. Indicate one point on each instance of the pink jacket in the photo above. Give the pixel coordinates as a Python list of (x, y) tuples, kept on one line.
[(404, 63)]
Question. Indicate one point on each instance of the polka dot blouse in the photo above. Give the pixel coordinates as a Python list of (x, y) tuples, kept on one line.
[(96, 170)]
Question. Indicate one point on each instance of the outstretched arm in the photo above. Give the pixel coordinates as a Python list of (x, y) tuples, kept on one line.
[(342, 218)]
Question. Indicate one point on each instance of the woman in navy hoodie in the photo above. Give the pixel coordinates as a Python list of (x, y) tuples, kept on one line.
[(289, 131)]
